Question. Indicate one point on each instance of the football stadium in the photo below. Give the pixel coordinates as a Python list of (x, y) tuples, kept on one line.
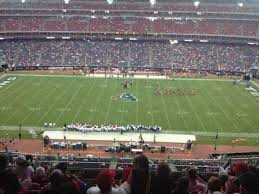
[(129, 96)]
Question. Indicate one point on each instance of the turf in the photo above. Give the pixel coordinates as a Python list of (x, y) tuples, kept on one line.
[(217, 106)]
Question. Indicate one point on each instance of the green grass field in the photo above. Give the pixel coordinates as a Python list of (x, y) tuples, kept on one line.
[(217, 106)]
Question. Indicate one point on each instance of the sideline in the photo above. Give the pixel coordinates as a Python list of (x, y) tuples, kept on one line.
[(2, 76), (197, 133), (152, 77)]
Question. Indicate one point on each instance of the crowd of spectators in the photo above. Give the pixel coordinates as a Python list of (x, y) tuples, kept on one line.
[(153, 54), (140, 25), (229, 6), (25, 175)]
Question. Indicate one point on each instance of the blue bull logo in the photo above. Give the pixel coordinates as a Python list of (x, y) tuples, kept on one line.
[(128, 97)]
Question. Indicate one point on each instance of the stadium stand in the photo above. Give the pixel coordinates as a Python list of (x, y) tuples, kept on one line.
[(84, 172), (159, 54), (146, 31)]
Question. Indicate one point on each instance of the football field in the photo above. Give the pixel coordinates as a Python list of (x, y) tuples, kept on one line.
[(176, 105)]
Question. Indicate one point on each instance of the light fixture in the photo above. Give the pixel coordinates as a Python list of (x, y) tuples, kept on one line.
[(152, 2), (173, 41), (110, 2), (240, 4), (196, 3), (66, 1), (204, 41)]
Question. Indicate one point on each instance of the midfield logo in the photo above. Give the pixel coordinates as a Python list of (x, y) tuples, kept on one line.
[(126, 96)]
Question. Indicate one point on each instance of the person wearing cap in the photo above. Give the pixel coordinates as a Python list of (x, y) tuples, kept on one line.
[(249, 183), (105, 180)]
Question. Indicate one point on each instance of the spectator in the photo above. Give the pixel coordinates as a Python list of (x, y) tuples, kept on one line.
[(104, 182), (182, 186), (249, 183), (139, 179), (39, 179), (24, 171), (56, 185), (3, 162), (71, 182), (223, 179), (214, 185), (125, 175), (196, 184), (9, 183), (161, 182), (232, 184)]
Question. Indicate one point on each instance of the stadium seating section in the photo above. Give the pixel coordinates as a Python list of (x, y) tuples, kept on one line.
[(161, 54)]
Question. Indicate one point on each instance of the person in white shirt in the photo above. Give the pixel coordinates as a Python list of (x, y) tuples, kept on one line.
[(105, 180)]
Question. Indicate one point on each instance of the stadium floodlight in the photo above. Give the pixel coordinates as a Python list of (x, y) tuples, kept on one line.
[(110, 2), (240, 4), (152, 2), (196, 3), (23, 1), (66, 1), (173, 41)]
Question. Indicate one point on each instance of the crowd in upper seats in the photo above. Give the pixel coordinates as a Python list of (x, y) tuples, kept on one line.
[(132, 25), (27, 175), (204, 56), (135, 5)]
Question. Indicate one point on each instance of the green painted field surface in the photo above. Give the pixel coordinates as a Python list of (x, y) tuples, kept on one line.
[(217, 106)]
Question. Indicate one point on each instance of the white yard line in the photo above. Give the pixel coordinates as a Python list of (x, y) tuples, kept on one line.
[(18, 91), (95, 104), (179, 109), (233, 107), (85, 99), (109, 106), (38, 105), (215, 101), (166, 112), (67, 104), (151, 110), (209, 96), (2, 76), (250, 96), (53, 104), (115, 77), (16, 98), (197, 116), (137, 106)]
